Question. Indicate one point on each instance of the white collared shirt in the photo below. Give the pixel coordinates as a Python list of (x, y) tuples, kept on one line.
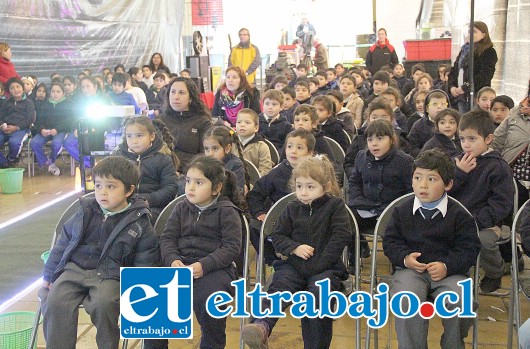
[(441, 207)]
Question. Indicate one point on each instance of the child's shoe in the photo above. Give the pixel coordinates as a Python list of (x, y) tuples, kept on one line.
[(489, 285), (54, 170), (256, 336)]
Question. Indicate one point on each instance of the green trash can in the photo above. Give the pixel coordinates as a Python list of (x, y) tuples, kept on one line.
[(11, 180), (16, 329)]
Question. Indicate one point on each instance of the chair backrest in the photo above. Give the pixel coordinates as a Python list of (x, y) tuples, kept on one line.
[(384, 218), (271, 220), (70, 211), (348, 137), (515, 198), (275, 156), (252, 171), (160, 223), (336, 149)]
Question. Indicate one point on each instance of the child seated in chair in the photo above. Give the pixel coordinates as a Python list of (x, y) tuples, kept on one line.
[(432, 242), (110, 231), (311, 233)]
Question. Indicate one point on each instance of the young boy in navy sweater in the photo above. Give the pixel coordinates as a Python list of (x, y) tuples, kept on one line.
[(272, 125), (432, 242), (484, 184)]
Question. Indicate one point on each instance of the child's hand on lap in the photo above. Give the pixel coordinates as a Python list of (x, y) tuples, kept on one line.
[(467, 163), (197, 270), (177, 263), (304, 251), (261, 217), (437, 271), (411, 262)]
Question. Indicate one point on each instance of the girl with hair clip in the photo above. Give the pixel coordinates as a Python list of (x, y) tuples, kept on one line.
[(204, 233), (311, 233), (233, 95), (218, 142), (146, 143), (332, 127)]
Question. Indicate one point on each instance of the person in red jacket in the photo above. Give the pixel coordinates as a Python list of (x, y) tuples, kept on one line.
[(7, 68), (381, 53)]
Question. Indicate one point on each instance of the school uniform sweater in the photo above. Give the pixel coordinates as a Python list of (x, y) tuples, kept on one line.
[(269, 189), (420, 133), (375, 183), (452, 239), (334, 129), (440, 141), (486, 191), (233, 163), (211, 237), (275, 130), (324, 225), (187, 129), (158, 178), (55, 116)]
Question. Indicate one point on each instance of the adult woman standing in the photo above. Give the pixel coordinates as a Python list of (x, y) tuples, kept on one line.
[(7, 68), (484, 60), (157, 63), (233, 95), (187, 118)]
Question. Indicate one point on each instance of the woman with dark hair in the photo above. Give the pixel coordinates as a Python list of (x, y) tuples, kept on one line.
[(484, 60), (156, 63), (187, 118), (233, 95)]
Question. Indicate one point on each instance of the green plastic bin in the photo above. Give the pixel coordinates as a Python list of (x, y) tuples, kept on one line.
[(11, 180), (16, 329)]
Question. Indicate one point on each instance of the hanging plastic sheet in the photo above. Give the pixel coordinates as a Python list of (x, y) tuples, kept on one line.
[(69, 35)]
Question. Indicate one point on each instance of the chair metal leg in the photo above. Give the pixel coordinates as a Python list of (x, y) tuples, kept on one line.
[(36, 323), (246, 277)]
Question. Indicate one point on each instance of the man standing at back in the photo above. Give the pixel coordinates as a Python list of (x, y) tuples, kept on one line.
[(245, 55), (381, 53)]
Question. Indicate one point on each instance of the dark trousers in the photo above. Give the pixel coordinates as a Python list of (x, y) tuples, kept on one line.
[(269, 255), (213, 331), (316, 333)]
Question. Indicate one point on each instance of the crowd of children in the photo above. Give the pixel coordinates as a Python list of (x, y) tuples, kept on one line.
[(398, 136)]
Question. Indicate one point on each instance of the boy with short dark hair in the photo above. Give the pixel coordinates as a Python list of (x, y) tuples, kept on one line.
[(118, 96), (416, 72), (255, 149), (303, 94), (323, 86), (484, 184), (332, 79), (272, 125), (301, 74), (110, 231), (393, 97), (289, 103), (148, 75), (381, 82), (432, 242)]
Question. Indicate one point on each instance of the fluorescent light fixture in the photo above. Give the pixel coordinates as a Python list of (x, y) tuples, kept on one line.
[(37, 209), (20, 295)]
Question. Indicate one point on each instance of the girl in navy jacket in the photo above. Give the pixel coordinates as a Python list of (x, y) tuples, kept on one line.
[(204, 232), (312, 233), (145, 142)]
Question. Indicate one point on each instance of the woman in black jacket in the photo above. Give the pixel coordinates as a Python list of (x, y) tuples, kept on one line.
[(484, 60)]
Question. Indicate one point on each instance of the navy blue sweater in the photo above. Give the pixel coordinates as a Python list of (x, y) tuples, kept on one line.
[(487, 191), (275, 131), (420, 133), (452, 239), (443, 143), (269, 189), (334, 129), (374, 184)]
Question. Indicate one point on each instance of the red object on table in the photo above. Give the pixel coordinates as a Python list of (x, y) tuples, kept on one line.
[(426, 50), (208, 98)]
